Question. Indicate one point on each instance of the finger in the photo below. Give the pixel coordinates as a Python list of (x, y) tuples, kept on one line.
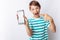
[(24, 22), (17, 16), (25, 17)]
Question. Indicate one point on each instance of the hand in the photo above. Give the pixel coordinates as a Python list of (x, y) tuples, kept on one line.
[(17, 16), (25, 20)]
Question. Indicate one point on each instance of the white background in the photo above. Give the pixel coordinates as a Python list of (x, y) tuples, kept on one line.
[(9, 28)]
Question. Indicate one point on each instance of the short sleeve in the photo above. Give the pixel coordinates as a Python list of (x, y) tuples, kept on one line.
[(47, 23), (30, 23)]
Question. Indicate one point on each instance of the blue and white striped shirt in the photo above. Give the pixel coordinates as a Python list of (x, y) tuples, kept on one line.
[(39, 27)]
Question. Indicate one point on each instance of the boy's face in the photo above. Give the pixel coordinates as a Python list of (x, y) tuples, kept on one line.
[(35, 10)]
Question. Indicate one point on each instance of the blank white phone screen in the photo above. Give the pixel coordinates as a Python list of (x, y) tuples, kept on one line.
[(20, 15)]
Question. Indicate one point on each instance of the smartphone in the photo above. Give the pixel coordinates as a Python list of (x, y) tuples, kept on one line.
[(20, 14)]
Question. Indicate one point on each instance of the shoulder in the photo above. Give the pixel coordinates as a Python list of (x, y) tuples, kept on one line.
[(30, 19), (46, 16)]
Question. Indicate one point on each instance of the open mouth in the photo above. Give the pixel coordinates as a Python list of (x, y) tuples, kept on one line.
[(36, 13)]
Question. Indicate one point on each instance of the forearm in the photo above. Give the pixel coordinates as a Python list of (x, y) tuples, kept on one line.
[(29, 31), (52, 26)]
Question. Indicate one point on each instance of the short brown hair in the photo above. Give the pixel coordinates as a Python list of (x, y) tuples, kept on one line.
[(35, 3)]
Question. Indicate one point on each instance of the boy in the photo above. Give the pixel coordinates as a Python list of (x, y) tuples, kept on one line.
[(37, 26)]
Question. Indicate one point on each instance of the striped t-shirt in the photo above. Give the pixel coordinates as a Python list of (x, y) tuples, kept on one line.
[(39, 27)]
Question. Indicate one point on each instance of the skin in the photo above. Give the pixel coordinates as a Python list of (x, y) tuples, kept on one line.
[(36, 14)]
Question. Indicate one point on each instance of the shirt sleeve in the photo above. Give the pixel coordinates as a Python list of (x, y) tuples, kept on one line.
[(30, 23), (47, 23)]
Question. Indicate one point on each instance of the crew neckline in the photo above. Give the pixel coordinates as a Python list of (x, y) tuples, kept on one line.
[(36, 18)]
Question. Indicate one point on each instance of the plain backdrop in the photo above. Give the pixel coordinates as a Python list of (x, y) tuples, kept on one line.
[(9, 28)]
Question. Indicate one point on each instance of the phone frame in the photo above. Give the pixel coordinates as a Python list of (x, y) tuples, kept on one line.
[(18, 16)]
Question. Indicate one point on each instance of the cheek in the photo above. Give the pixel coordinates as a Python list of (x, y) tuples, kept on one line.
[(32, 11), (38, 10)]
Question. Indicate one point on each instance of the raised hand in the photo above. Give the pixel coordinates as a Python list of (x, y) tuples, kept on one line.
[(25, 20)]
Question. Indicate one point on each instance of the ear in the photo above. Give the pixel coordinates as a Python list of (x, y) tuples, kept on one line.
[(29, 7), (40, 8)]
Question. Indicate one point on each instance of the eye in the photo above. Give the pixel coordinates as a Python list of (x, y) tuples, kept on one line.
[(32, 9), (37, 8)]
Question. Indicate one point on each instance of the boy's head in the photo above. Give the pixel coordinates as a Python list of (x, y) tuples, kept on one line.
[(34, 7)]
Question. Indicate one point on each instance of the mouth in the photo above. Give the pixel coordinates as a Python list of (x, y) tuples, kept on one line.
[(36, 13)]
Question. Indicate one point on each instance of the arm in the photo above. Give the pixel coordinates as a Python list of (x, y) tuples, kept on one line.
[(52, 25), (29, 31)]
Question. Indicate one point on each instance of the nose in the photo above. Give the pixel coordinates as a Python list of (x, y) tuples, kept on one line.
[(35, 10)]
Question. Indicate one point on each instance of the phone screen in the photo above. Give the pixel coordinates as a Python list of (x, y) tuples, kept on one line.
[(20, 16)]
